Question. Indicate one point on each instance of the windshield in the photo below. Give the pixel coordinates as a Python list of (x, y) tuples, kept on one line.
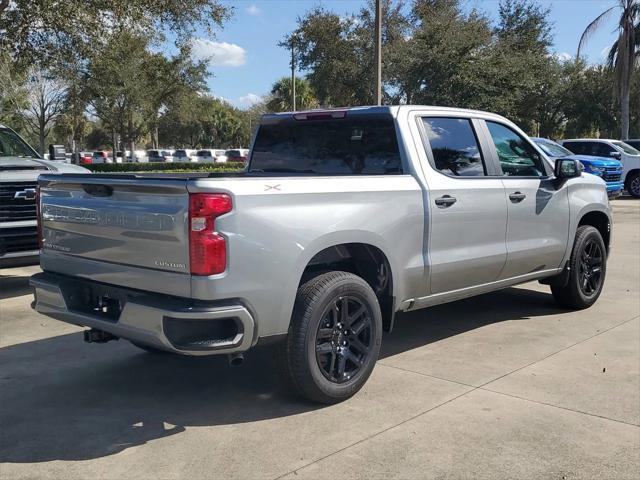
[(626, 148), (360, 145), (552, 148), (11, 145)]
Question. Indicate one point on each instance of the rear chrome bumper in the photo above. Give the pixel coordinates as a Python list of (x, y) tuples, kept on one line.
[(172, 324)]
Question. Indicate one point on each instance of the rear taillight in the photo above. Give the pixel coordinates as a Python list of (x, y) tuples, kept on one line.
[(85, 160), (38, 218), (207, 248)]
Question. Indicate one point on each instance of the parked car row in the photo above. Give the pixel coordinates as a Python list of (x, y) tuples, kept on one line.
[(205, 155), (607, 168)]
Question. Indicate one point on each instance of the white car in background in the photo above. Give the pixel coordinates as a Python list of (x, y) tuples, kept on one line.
[(211, 155), (156, 155), (184, 155), (221, 155)]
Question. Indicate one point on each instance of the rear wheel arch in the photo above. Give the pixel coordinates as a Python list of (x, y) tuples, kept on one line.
[(364, 260)]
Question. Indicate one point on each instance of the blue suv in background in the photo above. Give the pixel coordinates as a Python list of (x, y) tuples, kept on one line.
[(610, 170)]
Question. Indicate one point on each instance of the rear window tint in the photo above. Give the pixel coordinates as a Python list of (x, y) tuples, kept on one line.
[(348, 146)]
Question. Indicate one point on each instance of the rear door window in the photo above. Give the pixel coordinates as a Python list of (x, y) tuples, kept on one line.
[(579, 148), (454, 146), (364, 145), (601, 149)]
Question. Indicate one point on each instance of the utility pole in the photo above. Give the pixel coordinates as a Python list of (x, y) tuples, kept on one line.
[(378, 62), (293, 71)]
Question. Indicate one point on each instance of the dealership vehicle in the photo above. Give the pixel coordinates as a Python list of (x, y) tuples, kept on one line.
[(20, 166), (85, 158), (607, 168), (101, 156), (159, 156), (600, 147), (211, 155), (237, 155), (342, 219), (184, 155)]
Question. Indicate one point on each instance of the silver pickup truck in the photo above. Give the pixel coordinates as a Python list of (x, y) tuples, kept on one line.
[(342, 219)]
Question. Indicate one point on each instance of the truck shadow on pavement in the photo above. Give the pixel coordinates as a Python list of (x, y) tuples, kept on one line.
[(62, 399)]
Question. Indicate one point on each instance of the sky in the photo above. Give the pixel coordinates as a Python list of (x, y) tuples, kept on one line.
[(245, 59)]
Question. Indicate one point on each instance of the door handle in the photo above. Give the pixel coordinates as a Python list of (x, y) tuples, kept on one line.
[(446, 201), (517, 197)]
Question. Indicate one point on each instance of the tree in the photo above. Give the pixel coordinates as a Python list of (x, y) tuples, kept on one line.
[(203, 121), (588, 106), (45, 102), (624, 56), (280, 98), (166, 78), (13, 95), (337, 52), (116, 90), (46, 31)]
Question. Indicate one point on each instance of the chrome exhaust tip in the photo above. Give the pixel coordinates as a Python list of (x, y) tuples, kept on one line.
[(236, 359)]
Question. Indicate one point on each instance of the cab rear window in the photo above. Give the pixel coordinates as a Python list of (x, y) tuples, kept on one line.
[(343, 146)]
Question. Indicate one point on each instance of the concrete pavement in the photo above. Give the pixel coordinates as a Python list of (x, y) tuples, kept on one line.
[(505, 385)]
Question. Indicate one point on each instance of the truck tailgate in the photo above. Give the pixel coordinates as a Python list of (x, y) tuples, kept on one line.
[(130, 230)]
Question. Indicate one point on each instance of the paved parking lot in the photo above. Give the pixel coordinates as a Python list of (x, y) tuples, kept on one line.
[(505, 385)]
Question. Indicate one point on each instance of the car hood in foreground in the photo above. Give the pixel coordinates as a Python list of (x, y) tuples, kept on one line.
[(27, 169)]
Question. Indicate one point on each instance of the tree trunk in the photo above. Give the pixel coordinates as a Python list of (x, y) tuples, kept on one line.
[(114, 138), (624, 112), (41, 133)]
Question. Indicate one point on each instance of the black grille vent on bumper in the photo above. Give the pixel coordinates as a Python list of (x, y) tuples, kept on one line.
[(22, 239), (14, 209)]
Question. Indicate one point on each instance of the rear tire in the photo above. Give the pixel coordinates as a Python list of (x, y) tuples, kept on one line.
[(633, 185), (587, 270), (334, 337)]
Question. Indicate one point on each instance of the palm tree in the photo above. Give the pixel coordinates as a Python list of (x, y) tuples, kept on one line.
[(623, 54), (280, 99)]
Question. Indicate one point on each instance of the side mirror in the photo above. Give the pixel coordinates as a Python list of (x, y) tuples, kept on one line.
[(567, 168), (616, 155)]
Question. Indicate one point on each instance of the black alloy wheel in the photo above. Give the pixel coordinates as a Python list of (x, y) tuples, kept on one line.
[(590, 267), (343, 339)]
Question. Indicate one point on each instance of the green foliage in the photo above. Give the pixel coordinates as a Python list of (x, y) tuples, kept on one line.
[(202, 121), (622, 55), (165, 167), (337, 52), (280, 98), (46, 31), (439, 52)]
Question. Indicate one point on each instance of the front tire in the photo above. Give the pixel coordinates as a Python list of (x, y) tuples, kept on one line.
[(587, 269), (334, 337), (633, 185)]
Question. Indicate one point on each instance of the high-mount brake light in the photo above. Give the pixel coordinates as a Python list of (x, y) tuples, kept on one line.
[(320, 115), (207, 248)]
